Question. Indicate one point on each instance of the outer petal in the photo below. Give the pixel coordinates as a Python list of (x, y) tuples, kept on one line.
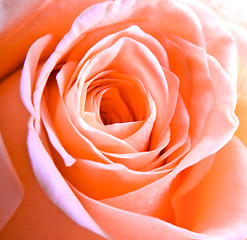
[(36, 213), (234, 12), (22, 22), (240, 36), (122, 224), (11, 190), (218, 41), (218, 204)]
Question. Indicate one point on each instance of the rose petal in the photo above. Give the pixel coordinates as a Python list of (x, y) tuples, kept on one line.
[(53, 183), (22, 22), (29, 70), (101, 181), (218, 204), (137, 100), (201, 95), (66, 146), (240, 35), (217, 215), (36, 213), (179, 65), (219, 42), (11, 189), (134, 161), (179, 139), (121, 224), (76, 137)]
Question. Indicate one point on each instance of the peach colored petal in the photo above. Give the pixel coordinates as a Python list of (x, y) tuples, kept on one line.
[(11, 189), (64, 75), (240, 36), (218, 204), (36, 217), (101, 181), (178, 144), (202, 97), (219, 42), (134, 161), (22, 22), (29, 70), (90, 151), (136, 98), (121, 224), (134, 32), (140, 139), (130, 88), (235, 16), (114, 56), (154, 199), (164, 14), (53, 183), (179, 65), (214, 97), (160, 140), (138, 102), (84, 133)]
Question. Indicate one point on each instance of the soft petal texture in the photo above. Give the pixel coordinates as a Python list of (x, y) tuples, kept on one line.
[(236, 22), (217, 205), (36, 213), (205, 114), (198, 115), (11, 190), (210, 106), (240, 35), (223, 54), (211, 207), (25, 223), (54, 184), (22, 22), (33, 57), (176, 193)]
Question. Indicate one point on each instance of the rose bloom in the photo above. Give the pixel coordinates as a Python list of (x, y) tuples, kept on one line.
[(121, 122)]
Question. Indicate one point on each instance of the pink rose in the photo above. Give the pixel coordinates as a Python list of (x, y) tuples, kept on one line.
[(131, 123)]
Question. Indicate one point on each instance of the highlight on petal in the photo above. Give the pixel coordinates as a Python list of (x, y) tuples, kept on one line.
[(11, 189), (217, 205), (36, 213), (240, 36), (54, 185), (22, 22), (29, 71), (124, 224), (219, 42)]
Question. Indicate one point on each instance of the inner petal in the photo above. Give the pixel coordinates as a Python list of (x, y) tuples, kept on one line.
[(113, 108), (121, 94)]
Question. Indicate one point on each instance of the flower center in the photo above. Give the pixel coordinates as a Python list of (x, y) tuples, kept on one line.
[(114, 109), (117, 98)]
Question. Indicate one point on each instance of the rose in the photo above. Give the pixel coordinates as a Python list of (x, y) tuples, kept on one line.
[(169, 190)]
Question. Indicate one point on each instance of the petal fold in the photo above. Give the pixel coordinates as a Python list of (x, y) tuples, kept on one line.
[(11, 189)]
